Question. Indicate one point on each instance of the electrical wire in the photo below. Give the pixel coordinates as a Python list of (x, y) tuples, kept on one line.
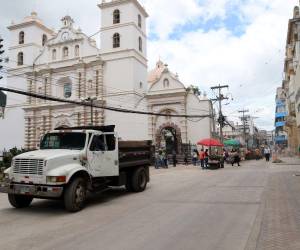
[(120, 110)]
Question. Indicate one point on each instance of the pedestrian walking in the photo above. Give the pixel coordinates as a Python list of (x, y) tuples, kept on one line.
[(165, 159), (195, 157), (236, 158), (225, 154), (174, 158), (185, 158), (202, 157), (267, 153), (206, 157), (257, 154)]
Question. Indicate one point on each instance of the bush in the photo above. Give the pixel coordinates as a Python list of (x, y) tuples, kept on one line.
[(9, 155)]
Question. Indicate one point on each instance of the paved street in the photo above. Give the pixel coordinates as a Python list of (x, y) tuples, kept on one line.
[(256, 206)]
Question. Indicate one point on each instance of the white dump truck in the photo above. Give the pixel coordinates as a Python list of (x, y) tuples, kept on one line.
[(74, 161)]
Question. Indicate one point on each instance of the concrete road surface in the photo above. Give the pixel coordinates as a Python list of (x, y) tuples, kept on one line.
[(182, 208)]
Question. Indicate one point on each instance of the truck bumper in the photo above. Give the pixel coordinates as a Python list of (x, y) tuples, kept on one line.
[(32, 190)]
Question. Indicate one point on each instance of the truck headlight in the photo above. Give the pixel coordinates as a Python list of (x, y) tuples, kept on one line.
[(56, 179)]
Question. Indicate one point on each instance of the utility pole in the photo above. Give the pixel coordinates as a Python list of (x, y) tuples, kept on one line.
[(244, 119), (91, 101), (220, 98), (2, 95), (1, 52)]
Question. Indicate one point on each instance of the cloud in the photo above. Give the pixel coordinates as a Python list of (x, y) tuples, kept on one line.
[(251, 63)]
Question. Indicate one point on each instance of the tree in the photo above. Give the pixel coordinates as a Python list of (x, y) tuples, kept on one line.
[(194, 89), (9, 155)]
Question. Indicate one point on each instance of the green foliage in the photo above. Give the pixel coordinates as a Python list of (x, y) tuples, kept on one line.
[(195, 90), (8, 156)]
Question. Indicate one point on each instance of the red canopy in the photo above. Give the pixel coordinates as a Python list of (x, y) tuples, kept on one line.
[(210, 143)]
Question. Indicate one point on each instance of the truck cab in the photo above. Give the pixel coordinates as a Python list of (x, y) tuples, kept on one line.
[(73, 161)]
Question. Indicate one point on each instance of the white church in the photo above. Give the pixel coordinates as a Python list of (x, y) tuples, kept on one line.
[(68, 64)]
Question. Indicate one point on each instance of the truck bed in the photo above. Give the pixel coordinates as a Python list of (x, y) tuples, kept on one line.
[(134, 153)]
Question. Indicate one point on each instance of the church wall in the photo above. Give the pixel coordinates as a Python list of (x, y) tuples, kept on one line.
[(85, 50), (119, 75), (140, 77), (128, 126), (198, 129)]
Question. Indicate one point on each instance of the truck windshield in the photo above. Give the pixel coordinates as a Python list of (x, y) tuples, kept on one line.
[(74, 141)]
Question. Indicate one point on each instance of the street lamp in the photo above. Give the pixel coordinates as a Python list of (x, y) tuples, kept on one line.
[(91, 100)]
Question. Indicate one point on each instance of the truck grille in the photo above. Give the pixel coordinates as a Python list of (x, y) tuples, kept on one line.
[(28, 166)]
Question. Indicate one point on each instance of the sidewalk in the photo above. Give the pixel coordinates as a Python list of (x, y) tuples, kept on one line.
[(289, 161), (277, 226), (280, 225)]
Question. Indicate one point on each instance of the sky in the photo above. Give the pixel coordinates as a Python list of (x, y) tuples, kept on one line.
[(240, 43)]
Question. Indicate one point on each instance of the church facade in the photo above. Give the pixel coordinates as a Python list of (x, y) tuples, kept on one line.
[(68, 64), (168, 95)]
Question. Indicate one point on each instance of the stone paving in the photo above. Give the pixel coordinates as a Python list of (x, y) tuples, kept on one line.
[(280, 220)]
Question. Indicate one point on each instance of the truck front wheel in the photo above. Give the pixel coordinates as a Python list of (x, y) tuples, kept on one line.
[(19, 201), (75, 195), (139, 180)]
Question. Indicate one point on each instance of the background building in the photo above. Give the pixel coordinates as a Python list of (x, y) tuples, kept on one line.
[(287, 133), (281, 136)]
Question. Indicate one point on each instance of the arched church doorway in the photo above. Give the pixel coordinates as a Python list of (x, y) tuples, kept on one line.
[(168, 137)]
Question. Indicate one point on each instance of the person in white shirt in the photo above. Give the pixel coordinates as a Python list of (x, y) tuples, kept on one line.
[(267, 153)]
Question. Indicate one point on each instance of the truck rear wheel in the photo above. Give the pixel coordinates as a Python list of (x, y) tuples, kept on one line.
[(139, 180), (75, 195), (19, 201)]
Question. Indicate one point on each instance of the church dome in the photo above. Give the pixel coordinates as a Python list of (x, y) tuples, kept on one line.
[(155, 74), (33, 17)]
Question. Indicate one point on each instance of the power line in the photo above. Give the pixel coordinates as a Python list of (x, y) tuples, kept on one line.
[(120, 110), (120, 99), (220, 98)]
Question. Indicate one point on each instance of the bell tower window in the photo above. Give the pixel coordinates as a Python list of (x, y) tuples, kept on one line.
[(21, 37), (20, 58), (116, 16), (140, 44), (116, 40), (44, 40)]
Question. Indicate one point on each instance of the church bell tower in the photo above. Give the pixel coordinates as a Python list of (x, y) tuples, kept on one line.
[(124, 52), (124, 44)]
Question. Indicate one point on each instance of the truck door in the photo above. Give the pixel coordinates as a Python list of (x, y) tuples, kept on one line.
[(101, 160), (111, 158)]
